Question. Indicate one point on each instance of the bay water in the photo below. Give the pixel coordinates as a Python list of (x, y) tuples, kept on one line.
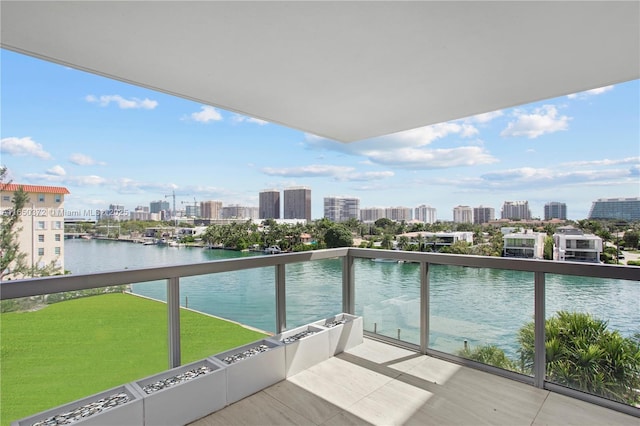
[(476, 305)]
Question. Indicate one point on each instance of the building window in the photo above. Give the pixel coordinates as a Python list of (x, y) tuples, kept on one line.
[(57, 225), (57, 198), (41, 251), (56, 250), (41, 238), (6, 198), (41, 225), (57, 237), (41, 198)]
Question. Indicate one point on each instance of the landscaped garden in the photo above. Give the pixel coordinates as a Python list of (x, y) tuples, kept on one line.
[(79, 347)]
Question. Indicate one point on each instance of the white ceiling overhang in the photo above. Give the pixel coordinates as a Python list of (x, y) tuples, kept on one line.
[(342, 70)]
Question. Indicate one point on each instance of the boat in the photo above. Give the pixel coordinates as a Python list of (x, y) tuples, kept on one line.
[(272, 250), (176, 244)]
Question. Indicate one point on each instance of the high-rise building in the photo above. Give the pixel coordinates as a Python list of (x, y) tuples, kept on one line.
[(518, 210), (40, 229), (463, 214), (426, 214), (269, 204), (398, 213), (297, 203), (483, 214), (371, 214), (555, 210), (140, 213), (158, 206), (340, 209), (616, 208), (210, 209), (236, 211), (192, 211)]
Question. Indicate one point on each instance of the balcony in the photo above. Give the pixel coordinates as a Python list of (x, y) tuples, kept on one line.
[(407, 371)]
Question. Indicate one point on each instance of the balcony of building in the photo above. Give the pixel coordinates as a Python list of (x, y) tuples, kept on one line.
[(410, 368)]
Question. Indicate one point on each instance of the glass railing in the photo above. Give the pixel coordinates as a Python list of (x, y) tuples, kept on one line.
[(480, 311), (477, 313)]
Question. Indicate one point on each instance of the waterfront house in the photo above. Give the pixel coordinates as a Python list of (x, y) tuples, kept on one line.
[(527, 244)]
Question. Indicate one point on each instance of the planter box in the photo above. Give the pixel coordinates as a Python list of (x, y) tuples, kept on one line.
[(307, 351), (343, 336), (187, 401), (129, 413), (250, 375)]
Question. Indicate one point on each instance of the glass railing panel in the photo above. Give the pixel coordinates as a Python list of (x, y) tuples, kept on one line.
[(593, 336), (55, 353), (313, 290), (245, 296), (478, 313), (387, 295)]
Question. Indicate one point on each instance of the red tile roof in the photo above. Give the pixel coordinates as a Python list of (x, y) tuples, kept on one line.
[(41, 189)]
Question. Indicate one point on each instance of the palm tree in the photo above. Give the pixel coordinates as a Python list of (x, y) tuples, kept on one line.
[(583, 354)]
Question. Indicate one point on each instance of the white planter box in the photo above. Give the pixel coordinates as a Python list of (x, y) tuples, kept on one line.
[(129, 413), (187, 401), (250, 375), (305, 352), (343, 336)]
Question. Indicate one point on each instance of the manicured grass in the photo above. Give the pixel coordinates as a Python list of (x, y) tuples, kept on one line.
[(76, 348)]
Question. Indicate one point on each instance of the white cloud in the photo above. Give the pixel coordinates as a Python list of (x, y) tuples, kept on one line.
[(407, 149), (605, 162), (543, 120), (338, 173), (23, 147), (206, 114), (83, 160), (484, 118), (422, 159), (592, 92), (132, 103), (91, 180), (237, 118), (56, 170)]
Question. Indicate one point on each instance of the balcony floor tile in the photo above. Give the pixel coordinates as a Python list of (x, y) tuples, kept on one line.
[(379, 384)]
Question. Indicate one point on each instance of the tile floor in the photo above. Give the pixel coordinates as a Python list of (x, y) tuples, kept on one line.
[(379, 384)]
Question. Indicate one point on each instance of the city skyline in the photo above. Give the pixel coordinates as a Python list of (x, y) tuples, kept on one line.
[(113, 143)]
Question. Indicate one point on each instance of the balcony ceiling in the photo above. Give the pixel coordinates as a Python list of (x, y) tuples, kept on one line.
[(342, 70)]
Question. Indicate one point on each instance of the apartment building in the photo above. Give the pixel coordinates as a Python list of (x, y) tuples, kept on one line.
[(340, 209), (516, 210), (426, 214), (483, 214), (269, 204), (398, 213), (463, 214), (555, 210), (616, 208), (211, 209), (371, 214), (297, 203), (41, 224)]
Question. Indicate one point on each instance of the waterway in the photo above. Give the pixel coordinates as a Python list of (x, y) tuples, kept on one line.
[(481, 306)]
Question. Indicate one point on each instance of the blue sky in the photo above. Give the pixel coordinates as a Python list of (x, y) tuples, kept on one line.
[(111, 142)]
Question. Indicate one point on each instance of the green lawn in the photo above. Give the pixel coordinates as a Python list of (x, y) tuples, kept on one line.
[(73, 349)]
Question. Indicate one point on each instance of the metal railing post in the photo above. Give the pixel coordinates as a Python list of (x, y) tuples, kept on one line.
[(424, 307), (173, 318), (281, 298), (348, 285), (540, 354)]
